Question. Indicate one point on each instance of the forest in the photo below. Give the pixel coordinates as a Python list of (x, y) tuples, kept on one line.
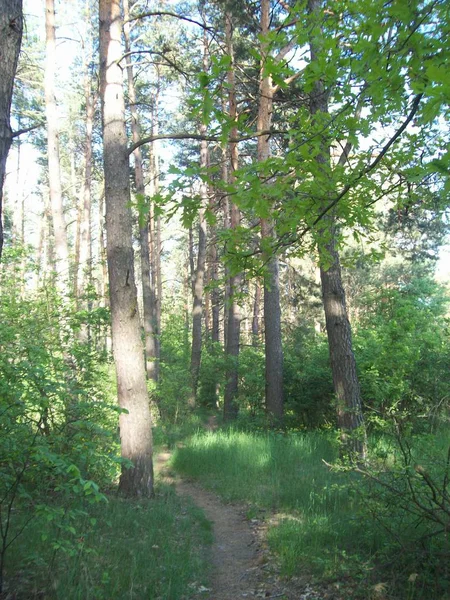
[(224, 299)]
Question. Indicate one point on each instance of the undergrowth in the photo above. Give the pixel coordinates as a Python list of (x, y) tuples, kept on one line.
[(328, 523), (149, 549)]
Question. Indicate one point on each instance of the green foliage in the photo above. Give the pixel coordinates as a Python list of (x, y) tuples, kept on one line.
[(212, 372), (149, 549), (174, 386), (309, 394), (403, 350), (355, 528), (57, 419), (251, 380)]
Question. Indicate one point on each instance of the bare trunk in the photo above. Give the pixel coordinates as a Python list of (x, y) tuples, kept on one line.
[(230, 407), (135, 423), (198, 284), (197, 311), (148, 294), (84, 276), (272, 309), (11, 23), (342, 359), (54, 174), (215, 300), (256, 317), (226, 225), (157, 229)]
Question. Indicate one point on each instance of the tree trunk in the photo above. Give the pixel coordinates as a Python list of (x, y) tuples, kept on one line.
[(198, 284), (54, 173), (255, 319), (135, 423), (197, 311), (154, 176), (342, 359), (272, 309), (230, 407), (148, 294), (215, 299), (84, 276), (11, 23)]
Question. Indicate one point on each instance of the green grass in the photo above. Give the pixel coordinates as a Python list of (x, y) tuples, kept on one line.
[(324, 520), (133, 550)]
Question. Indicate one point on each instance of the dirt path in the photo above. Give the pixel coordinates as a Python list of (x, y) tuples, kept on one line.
[(238, 554)]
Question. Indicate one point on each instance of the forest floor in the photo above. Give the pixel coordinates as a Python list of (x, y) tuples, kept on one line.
[(242, 565)]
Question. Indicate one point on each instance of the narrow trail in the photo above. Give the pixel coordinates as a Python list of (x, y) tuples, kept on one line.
[(238, 553), (235, 551)]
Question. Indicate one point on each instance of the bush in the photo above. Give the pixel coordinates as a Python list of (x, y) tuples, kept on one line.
[(403, 352), (57, 417)]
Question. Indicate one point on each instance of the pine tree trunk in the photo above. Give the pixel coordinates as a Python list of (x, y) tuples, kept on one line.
[(148, 294), (197, 311), (135, 424), (54, 173), (198, 284), (255, 319), (215, 299), (342, 359), (230, 407), (11, 23), (272, 308), (84, 276)]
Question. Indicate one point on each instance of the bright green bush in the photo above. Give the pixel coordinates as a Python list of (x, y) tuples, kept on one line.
[(403, 352), (58, 418)]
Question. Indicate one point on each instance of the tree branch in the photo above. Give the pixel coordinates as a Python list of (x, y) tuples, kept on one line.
[(369, 168), (197, 136), (26, 130), (165, 13)]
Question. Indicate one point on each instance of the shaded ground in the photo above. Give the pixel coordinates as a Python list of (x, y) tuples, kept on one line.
[(242, 566)]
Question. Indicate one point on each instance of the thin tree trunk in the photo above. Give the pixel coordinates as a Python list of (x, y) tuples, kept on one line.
[(230, 407), (198, 284), (215, 299), (197, 311), (256, 317), (135, 423), (342, 359), (226, 225), (272, 309), (54, 173), (148, 293), (11, 23), (84, 275), (157, 228)]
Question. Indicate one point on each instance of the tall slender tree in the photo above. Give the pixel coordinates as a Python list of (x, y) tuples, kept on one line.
[(234, 283), (54, 169), (148, 289), (135, 420), (11, 24), (199, 276), (342, 358), (272, 309)]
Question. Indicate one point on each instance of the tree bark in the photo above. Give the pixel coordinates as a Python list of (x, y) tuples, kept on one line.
[(148, 292), (84, 275), (11, 24), (198, 284), (135, 423), (54, 172), (342, 359), (197, 311), (230, 407), (255, 319), (272, 309)]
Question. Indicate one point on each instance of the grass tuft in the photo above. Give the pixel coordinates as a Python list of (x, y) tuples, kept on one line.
[(149, 549)]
